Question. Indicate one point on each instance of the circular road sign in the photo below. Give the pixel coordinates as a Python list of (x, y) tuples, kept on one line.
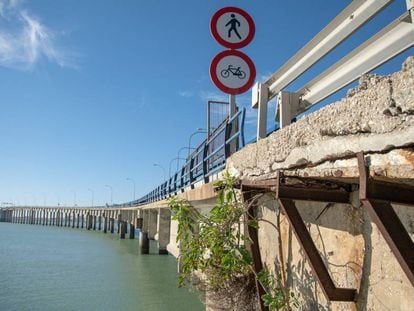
[(232, 27), (232, 71)]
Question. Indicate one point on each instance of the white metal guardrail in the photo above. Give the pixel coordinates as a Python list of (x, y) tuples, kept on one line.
[(389, 42)]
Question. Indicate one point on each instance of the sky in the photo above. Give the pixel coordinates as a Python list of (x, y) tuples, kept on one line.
[(94, 93)]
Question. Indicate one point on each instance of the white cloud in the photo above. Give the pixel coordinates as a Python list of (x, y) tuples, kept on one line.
[(186, 93), (25, 40)]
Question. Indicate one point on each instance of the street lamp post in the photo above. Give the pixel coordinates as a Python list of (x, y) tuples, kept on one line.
[(199, 131), (178, 159), (92, 194), (162, 167), (133, 181), (110, 188), (183, 148)]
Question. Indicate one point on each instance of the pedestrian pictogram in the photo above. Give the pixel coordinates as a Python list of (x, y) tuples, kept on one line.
[(233, 72), (232, 27), (233, 23)]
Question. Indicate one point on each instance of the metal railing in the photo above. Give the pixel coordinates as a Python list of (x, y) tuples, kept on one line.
[(392, 40), (207, 159)]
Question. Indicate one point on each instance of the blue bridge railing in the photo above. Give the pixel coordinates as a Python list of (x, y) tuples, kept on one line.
[(207, 159)]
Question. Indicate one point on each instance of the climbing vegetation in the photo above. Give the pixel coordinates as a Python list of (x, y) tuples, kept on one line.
[(215, 245)]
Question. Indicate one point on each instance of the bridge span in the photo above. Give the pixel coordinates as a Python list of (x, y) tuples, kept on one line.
[(337, 183)]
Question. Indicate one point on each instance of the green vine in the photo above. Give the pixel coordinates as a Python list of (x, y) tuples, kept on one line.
[(214, 244)]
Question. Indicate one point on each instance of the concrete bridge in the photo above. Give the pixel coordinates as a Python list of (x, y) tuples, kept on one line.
[(338, 183), (122, 221)]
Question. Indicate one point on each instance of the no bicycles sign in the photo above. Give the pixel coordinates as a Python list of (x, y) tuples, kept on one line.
[(232, 71)]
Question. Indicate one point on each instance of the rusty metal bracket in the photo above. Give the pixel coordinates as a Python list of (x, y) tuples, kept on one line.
[(248, 195), (285, 194), (377, 197)]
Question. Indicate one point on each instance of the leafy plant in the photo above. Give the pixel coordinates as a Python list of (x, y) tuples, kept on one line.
[(214, 244)]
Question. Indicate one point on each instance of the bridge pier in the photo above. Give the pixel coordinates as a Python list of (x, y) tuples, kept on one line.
[(152, 224), (163, 229), (73, 219), (82, 219), (105, 225), (94, 222), (119, 222), (131, 231), (138, 223), (122, 230), (111, 224), (99, 221), (77, 220), (144, 243)]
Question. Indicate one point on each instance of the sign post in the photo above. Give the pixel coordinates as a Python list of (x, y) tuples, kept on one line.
[(232, 71)]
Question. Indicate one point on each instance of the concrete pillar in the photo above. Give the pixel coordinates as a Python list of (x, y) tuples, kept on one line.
[(122, 230), (152, 224), (88, 221), (61, 219), (82, 219), (94, 222), (111, 224), (144, 243), (145, 221), (119, 222), (105, 225), (138, 223), (163, 229), (66, 219), (77, 220), (131, 231), (99, 222), (73, 219)]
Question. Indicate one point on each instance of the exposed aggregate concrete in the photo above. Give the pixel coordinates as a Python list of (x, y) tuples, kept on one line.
[(376, 116)]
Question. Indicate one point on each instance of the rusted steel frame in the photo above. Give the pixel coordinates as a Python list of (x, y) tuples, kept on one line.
[(314, 193), (321, 272), (381, 190), (248, 195), (383, 215)]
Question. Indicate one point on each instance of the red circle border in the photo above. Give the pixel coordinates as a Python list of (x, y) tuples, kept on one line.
[(220, 40), (221, 86)]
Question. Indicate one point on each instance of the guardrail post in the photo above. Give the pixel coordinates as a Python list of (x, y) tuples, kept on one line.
[(288, 107), (260, 95), (190, 177), (205, 163)]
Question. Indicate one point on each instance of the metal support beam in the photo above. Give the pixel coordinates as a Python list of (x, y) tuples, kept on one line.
[(248, 196), (376, 199), (285, 195)]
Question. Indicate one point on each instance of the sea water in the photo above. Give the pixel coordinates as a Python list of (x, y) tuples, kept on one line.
[(56, 268)]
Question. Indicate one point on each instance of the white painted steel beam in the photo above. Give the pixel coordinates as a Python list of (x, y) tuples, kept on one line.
[(348, 21), (389, 42)]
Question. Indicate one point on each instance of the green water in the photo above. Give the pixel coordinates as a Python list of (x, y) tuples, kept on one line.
[(50, 268)]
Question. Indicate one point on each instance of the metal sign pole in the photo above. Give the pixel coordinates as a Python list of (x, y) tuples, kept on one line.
[(232, 105)]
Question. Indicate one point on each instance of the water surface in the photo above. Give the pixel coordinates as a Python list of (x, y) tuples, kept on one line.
[(53, 268)]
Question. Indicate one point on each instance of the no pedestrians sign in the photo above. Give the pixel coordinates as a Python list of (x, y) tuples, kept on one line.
[(232, 27)]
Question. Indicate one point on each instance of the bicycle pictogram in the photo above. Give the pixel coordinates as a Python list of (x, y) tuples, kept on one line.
[(235, 71)]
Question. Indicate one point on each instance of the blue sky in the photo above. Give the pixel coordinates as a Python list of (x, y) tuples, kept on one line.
[(95, 92)]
